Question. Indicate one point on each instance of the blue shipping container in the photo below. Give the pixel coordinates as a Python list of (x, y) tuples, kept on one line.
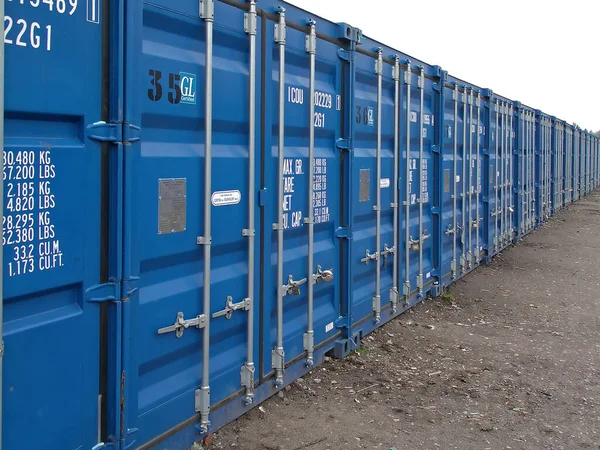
[(202, 199)]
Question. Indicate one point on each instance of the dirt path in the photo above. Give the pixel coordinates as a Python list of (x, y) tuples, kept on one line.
[(510, 359)]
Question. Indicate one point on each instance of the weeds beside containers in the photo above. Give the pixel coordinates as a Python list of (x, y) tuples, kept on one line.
[(227, 194)]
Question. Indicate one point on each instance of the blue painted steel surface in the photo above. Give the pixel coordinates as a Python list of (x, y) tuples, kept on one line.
[(326, 201), (365, 185), (452, 151), (417, 178), (164, 260), (569, 166), (419, 158), (53, 236), (499, 219), (543, 164)]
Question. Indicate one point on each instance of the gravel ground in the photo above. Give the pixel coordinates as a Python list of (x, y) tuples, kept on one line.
[(508, 359)]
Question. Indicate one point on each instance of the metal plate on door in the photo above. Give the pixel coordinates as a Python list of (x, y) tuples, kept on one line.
[(172, 204), (365, 188), (447, 180)]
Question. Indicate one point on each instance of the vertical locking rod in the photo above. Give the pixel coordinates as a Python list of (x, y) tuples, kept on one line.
[(588, 154), (377, 294), (563, 168), (278, 354), (570, 162), (454, 181), (463, 236), (577, 163), (531, 171), (568, 166), (585, 162), (557, 167), (521, 197), (510, 175), (527, 169), (546, 160), (203, 394), (528, 175), (311, 48), (533, 152), (470, 253), (554, 157), (394, 292), (247, 371), (421, 160), (543, 167), (561, 163), (548, 167), (531, 176), (407, 184), (575, 167), (581, 151), (574, 164), (499, 208), (505, 174), (478, 178)]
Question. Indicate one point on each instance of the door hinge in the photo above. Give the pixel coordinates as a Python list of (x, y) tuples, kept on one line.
[(103, 445), (129, 290), (341, 322), (113, 132), (262, 197), (100, 293), (345, 55), (105, 132), (131, 133), (129, 433), (344, 144), (343, 233)]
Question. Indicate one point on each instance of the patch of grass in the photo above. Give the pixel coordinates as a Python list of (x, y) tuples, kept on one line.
[(447, 296), (362, 350)]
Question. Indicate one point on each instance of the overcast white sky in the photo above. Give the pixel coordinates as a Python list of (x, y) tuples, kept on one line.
[(545, 54)]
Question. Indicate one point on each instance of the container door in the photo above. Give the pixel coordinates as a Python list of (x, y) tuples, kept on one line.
[(559, 167), (52, 224), (451, 196), (167, 243), (588, 166), (500, 176), (495, 178), (296, 250), (475, 137), (528, 170), (568, 164), (580, 145), (576, 165), (372, 192), (416, 243), (462, 179)]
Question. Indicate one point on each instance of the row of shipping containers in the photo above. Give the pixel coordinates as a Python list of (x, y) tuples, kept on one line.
[(204, 198)]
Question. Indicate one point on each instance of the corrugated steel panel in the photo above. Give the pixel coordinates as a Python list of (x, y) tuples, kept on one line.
[(499, 181), (54, 225), (223, 194)]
